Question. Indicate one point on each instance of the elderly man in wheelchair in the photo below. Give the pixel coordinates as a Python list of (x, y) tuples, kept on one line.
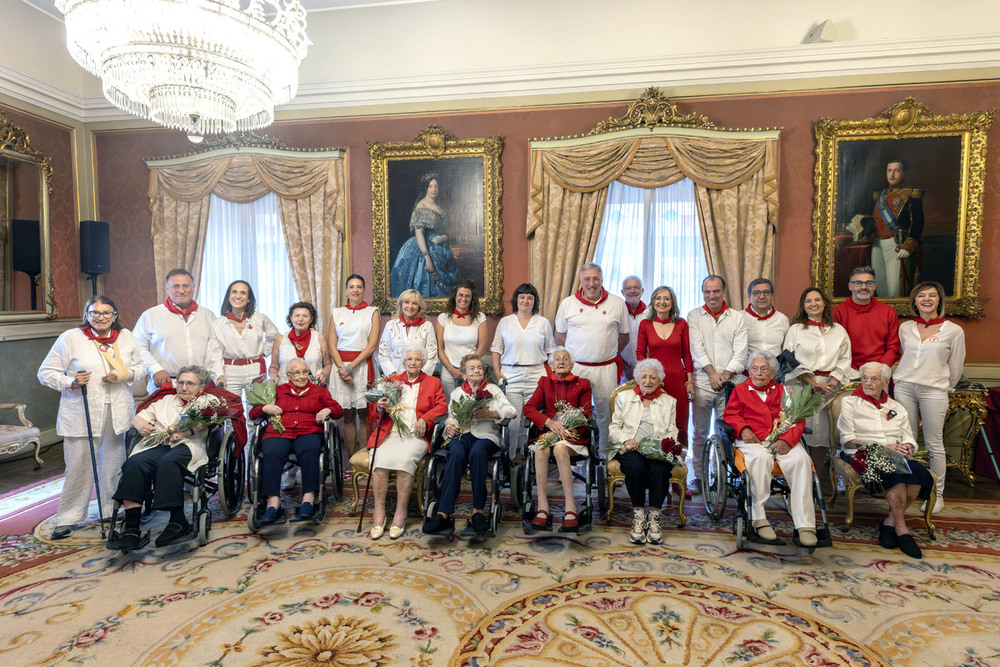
[(751, 412)]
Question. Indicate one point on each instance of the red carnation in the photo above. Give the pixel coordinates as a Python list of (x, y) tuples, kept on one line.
[(482, 394), (207, 413), (669, 446)]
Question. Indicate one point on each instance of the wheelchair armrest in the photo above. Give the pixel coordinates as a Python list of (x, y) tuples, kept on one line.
[(132, 438), (724, 429)]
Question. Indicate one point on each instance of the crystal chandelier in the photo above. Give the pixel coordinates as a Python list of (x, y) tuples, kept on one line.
[(201, 66)]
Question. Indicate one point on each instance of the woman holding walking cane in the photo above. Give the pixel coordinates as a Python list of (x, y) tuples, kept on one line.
[(104, 357)]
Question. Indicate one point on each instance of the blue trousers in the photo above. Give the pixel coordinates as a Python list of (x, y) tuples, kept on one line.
[(275, 452), (476, 452)]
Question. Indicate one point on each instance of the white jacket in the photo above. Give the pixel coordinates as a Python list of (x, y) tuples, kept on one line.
[(73, 352), (488, 429), (860, 420), (628, 413)]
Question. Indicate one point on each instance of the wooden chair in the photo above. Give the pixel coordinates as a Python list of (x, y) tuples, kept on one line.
[(14, 438), (841, 469), (678, 475)]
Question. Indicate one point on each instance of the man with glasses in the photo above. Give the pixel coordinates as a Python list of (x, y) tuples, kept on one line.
[(177, 333), (872, 326), (632, 291), (766, 327)]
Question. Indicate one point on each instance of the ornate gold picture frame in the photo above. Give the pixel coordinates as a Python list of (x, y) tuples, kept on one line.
[(926, 227), (436, 218)]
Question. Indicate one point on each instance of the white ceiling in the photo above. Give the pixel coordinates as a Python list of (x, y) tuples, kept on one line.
[(49, 6)]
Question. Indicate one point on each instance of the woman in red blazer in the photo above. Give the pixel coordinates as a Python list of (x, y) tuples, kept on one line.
[(422, 402), (557, 387), (303, 407)]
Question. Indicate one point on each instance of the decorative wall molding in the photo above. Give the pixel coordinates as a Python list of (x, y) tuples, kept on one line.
[(32, 330), (887, 58)]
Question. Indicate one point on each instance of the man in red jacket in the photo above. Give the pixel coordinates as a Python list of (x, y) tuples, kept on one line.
[(751, 412), (872, 326)]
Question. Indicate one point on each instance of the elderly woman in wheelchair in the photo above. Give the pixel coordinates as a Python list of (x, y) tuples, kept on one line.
[(751, 413)]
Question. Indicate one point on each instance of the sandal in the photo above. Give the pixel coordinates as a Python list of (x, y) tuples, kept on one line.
[(570, 521), (542, 520)]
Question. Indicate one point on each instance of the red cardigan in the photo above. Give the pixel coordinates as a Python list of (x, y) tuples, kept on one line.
[(431, 404), (873, 330), (551, 390), (746, 409), (298, 413)]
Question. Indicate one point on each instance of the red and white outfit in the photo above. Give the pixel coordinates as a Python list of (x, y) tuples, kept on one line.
[(824, 352), (635, 316), (927, 372), (353, 326), (310, 351), (458, 342), (592, 330), (765, 332), (874, 332), (421, 399), (243, 352), (170, 339), (553, 390), (757, 408), (719, 341), (398, 337)]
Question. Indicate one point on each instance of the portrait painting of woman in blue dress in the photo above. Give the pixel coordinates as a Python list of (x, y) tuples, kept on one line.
[(425, 262)]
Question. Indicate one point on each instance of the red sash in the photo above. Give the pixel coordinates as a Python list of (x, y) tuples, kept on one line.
[(351, 355)]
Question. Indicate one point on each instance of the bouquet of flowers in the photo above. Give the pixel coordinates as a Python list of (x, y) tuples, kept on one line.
[(391, 390), (659, 449), (203, 411), (796, 405), (265, 392), (570, 417), (873, 463), (465, 406)]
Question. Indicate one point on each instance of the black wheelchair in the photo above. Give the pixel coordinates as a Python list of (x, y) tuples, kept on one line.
[(726, 475), (593, 473), (330, 468), (224, 475)]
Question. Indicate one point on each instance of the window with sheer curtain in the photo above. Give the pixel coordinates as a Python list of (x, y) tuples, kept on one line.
[(245, 242), (653, 234)]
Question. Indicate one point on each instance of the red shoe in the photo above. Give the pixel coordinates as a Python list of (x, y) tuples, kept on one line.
[(570, 521), (541, 520)]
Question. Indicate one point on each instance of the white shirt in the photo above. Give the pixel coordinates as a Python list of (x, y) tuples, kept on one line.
[(254, 341), (168, 342), (527, 346), (488, 429), (768, 334), (628, 352), (459, 341), (720, 344), (73, 351), (353, 327), (592, 332), (313, 355), (936, 362), (629, 414), (860, 420), (397, 339), (816, 350), (164, 413)]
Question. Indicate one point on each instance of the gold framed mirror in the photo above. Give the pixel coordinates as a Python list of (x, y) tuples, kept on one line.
[(26, 286), (901, 192)]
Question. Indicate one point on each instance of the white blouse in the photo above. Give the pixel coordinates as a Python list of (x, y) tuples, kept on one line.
[(459, 341), (936, 362), (488, 429), (862, 421), (819, 349), (397, 339), (164, 413), (313, 356), (353, 327), (254, 341), (523, 346)]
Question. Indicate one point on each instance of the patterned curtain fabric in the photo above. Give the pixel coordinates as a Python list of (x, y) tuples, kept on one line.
[(735, 181), (311, 199)]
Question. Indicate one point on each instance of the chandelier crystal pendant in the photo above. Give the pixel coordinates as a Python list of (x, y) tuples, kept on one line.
[(201, 66)]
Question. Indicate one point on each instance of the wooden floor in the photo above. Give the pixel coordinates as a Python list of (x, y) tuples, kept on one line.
[(17, 474)]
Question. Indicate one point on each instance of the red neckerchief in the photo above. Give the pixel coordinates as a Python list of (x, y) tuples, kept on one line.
[(860, 393), (769, 315), (403, 378), (639, 310), (595, 304), (415, 323), (294, 392), (233, 403), (716, 315), (479, 393), (649, 397), (300, 342), (456, 311), (555, 378), (767, 390), (928, 323), (172, 307), (105, 340), (236, 318), (662, 320), (360, 306), (810, 322)]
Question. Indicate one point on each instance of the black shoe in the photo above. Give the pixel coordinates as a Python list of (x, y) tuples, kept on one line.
[(174, 533), (480, 524), (131, 540), (908, 546), (272, 515), (887, 536), (304, 513), (439, 525), (62, 532)]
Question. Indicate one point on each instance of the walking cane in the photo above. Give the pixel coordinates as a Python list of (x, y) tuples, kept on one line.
[(93, 459), (371, 467)]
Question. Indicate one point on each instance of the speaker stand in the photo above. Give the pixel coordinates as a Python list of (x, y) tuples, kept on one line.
[(93, 279)]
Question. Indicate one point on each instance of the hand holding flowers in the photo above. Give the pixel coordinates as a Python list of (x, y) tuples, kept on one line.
[(386, 394), (571, 419), (202, 412), (265, 393)]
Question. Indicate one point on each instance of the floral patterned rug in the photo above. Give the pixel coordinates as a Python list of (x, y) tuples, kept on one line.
[(302, 594)]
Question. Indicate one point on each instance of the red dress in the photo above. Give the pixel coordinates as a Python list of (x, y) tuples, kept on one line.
[(674, 352), (551, 390)]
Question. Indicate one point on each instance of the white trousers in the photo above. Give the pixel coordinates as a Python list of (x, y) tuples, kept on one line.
[(796, 466), (79, 482), (706, 402), (932, 404), (521, 384), (239, 378), (603, 381), (887, 264)]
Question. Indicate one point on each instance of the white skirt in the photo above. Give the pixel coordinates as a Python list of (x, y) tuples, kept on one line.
[(578, 450), (400, 453), (351, 396)]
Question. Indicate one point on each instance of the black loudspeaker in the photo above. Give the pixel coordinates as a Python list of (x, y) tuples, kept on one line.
[(95, 247), (25, 246)]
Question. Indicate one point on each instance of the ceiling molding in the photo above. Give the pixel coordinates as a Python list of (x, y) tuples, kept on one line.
[(808, 61)]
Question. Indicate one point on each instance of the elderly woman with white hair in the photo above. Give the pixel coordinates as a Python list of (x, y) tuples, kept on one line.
[(559, 386), (751, 411), (400, 450), (869, 415), (647, 412)]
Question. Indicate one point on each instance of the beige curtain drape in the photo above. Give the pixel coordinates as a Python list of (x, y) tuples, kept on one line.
[(735, 182), (311, 197)]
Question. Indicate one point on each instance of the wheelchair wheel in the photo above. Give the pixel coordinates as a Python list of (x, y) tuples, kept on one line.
[(336, 460), (496, 516), (739, 530), (231, 477), (516, 482), (204, 526), (602, 490), (253, 512), (322, 498), (714, 484)]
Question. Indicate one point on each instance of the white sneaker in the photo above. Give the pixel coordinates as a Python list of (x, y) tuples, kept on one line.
[(938, 505), (638, 533), (653, 533)]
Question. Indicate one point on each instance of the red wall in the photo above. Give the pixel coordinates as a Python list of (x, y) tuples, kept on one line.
[(122, 179)]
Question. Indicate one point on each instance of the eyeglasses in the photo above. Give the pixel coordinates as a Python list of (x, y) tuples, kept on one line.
[(761, 292), (297, 373), (98, 314), (860, 283)]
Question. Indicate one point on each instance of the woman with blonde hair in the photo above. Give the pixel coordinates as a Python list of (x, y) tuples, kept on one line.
[(407, 329)]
